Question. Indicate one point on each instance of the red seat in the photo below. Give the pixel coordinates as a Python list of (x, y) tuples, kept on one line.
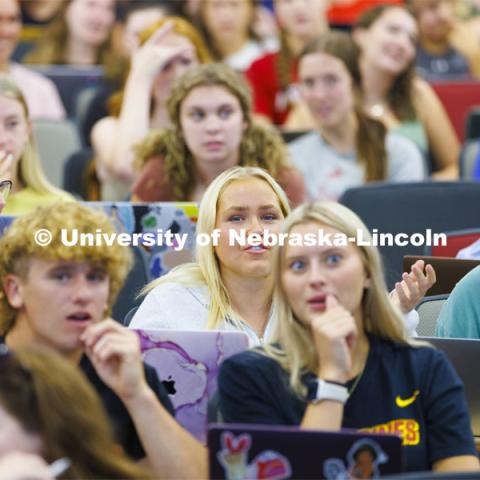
[(347, 13), (455, 242), (458, 98)]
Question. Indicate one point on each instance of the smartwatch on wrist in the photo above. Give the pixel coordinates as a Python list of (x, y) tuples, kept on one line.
[(335, 392)]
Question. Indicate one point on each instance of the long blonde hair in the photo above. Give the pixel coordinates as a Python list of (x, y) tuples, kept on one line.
[(30, 172), (261, 145), (292, 345), (206, 270)]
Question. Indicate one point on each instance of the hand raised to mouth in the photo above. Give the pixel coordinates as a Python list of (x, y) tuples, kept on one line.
[(335, 333), (6, 163)]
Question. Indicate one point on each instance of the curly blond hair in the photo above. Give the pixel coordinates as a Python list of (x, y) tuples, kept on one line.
[(261, 145), (18, 247)]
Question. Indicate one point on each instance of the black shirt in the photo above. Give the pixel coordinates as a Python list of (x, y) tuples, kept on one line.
[(124, 428), (412, 392)]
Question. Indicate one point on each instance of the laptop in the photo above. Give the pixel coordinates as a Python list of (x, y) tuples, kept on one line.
[(464, 354), (258, 451), (449, 271), (156, 219), (187, 362)]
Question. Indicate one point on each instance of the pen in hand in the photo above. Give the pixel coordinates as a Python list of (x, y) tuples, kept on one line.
[(59, 466)]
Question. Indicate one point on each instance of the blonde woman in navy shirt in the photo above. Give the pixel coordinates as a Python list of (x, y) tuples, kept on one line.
[(341, 357)]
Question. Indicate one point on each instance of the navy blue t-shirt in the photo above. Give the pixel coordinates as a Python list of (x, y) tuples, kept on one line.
[(123, 426), (451, 65), (412, 392)]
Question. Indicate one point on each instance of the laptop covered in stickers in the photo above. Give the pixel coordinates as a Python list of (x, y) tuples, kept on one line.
[(156, 220), (155, 258), (260, 452)]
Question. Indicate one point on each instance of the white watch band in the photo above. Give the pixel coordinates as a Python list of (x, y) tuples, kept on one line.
[(330, 391)]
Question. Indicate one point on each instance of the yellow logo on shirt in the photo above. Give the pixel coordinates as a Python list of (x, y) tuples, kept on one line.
[(406, 428), (402, 403)]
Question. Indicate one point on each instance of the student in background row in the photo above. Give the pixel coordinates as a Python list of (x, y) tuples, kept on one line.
[(43, 405), (80, 34), (392, 92), (35, 18), (231, 285), (19, 160), (40, 93), (40, 12), (212, 130), (447, 49), (273, 76), (135, 17), (170, 47), (349, 147), (340, 356), (228, 27)]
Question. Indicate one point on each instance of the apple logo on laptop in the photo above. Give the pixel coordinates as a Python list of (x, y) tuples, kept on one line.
[(170, 385)]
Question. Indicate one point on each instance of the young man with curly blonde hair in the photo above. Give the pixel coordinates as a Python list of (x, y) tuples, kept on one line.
[(59, 296)]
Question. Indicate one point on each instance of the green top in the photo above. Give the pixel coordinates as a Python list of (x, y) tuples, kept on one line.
[(414, 131), (27, 200)]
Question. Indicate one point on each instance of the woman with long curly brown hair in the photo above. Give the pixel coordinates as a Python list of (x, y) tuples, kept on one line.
[(213, 130)]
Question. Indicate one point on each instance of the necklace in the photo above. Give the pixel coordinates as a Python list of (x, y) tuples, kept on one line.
[(377, 110), (359, 376), (355, 383)]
